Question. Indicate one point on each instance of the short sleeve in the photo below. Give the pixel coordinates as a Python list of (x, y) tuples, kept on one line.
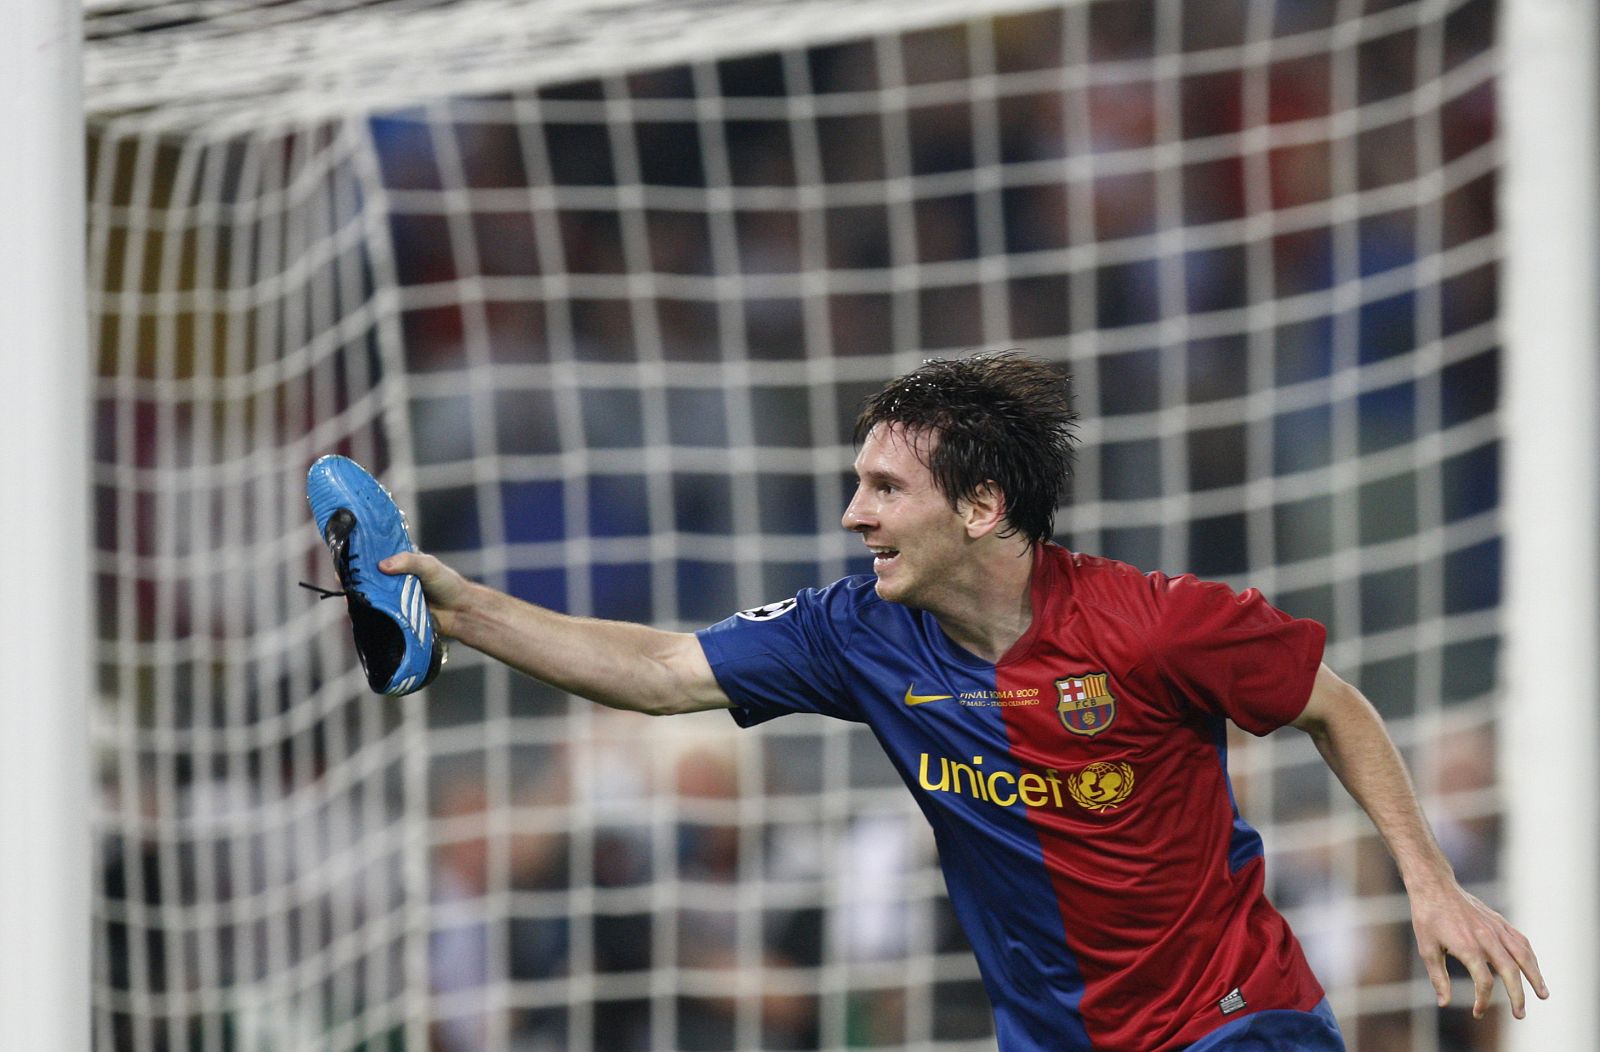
[(1234, 654), (782, 657)]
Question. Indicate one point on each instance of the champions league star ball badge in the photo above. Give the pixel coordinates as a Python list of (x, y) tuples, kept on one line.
[(1084, 704), (770, 611)]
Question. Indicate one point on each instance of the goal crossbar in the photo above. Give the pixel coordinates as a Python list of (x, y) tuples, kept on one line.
[(235, 65)]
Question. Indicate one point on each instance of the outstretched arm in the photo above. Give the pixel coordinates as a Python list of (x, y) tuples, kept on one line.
[(623, 665), (1446, 919)]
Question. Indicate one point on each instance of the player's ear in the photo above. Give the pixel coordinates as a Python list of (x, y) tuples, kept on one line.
[(985, 510)]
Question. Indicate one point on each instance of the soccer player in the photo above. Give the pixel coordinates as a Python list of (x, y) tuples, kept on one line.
[(1059, 717)]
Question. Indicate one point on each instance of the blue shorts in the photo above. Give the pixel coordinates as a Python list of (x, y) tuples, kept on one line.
[(1276, 1030)]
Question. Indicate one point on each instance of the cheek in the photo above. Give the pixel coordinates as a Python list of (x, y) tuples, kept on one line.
[(938, 538)]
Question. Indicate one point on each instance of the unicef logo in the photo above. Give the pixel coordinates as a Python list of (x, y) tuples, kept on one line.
[(1101, 786)]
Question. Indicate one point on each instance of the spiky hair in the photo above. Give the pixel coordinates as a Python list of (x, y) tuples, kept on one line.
[(1001, 417)]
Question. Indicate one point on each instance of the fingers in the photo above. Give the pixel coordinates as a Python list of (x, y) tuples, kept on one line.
[(1515, 961), (1457, 924), (1478, 966), (1484, 967), (1511, 976), (1437, 975), (1491, 951), (1522, 953), (443, 587), (1510, 954), (403, 562), (1483, 988)]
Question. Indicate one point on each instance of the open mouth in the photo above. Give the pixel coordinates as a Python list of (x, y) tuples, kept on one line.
[(883, 557)]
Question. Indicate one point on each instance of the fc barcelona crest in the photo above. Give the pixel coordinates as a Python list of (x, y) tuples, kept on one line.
[(1085, 705)]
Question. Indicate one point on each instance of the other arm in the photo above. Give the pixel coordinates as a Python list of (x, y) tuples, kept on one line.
[(616, 663), (1446, 919)]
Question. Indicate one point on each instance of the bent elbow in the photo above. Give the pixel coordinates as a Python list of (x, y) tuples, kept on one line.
[(669, 696), (681, 681), (675, 704), (661, 705)]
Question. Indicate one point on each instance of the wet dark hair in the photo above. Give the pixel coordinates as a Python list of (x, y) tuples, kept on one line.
[(1003, 417)]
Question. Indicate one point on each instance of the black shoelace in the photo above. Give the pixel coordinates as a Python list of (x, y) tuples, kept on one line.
[(337, 536)]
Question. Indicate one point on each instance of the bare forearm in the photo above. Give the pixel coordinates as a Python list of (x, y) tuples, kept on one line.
[(626, 666), (1448, 921), (1357, 748)]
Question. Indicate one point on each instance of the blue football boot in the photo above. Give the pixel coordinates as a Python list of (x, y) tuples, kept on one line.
[(396, 637)]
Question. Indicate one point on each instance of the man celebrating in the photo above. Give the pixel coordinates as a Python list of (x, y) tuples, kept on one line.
[(1060, 718)]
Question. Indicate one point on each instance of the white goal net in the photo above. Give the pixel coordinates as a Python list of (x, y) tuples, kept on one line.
[(596, 289)]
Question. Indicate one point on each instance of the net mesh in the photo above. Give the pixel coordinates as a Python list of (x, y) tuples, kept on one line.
[(597, 298)]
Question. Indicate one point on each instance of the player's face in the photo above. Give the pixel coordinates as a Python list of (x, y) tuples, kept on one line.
[(917, 539)]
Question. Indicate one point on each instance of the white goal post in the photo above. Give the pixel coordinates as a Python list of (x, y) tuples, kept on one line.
[(595, 287), (45, 622), (1551, 715)]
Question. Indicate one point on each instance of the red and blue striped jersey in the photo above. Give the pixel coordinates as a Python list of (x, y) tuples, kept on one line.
[(1078, 788)]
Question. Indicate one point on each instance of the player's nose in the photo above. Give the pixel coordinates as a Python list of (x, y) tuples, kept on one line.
[(856, 517)]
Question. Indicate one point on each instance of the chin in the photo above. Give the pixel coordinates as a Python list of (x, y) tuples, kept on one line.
[(894, 592)]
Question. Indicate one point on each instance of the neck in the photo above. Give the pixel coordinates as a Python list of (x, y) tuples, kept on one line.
[(996, 608)]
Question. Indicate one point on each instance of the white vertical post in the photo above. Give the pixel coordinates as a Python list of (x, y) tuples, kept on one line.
[(45, 626), (1550, 729)]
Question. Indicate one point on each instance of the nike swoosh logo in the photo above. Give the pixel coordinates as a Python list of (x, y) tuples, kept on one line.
[(923, 699)]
